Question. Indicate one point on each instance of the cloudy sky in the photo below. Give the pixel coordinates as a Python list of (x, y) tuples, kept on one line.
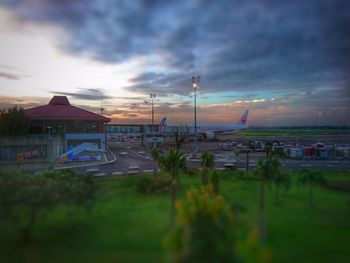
[(286, 61)]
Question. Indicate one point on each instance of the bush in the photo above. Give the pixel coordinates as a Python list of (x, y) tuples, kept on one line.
[(154, 185), (204, 230), (23, 198)]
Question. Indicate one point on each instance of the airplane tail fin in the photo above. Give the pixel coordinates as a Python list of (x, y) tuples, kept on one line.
[(163, 122), (243, 120)]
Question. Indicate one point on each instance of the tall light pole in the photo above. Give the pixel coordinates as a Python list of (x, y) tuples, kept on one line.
[(153, 96), (49, 148), (195, 86)]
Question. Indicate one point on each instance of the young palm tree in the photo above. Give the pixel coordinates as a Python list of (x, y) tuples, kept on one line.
[(270, 152), (173, 163), (207, 165), (266, 170), (250, 147), (311, 178), (179, 140), (278, 178)]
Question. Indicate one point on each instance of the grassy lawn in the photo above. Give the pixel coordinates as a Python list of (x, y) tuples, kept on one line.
[(125, 226), (291, 132)]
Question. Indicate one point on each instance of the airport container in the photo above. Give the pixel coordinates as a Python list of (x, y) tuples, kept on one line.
[(259, 146), (309, 151), (320, 145), (339, 152), (296, 153), (322, 153), (346, 153), (287, 151)]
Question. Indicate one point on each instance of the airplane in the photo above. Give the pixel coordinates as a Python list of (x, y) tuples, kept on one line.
[(209, 132), (163, 122), (162, 125)]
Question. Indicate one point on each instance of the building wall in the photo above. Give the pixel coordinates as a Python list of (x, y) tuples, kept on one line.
[(74, 139), (31, 148)]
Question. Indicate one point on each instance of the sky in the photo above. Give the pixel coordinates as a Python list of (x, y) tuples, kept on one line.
[(287, 62)]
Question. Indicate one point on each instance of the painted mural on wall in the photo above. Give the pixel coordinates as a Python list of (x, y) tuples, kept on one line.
[(33, 154)]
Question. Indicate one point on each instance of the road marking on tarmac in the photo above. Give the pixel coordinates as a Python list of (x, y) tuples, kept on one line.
[(134, 167), (92, 170), (100, 174), (306, 165), (148, 171), (132, 172), (117, 173)]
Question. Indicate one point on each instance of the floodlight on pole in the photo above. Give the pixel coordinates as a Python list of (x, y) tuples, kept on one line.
[(195, 86), (153, 96)]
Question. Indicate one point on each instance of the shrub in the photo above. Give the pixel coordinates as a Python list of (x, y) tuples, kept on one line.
[(204, 230)]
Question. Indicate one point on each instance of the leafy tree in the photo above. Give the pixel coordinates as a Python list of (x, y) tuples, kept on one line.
[(173, 163), (207, 165), (311, 178), (13, 121), (23, 198)]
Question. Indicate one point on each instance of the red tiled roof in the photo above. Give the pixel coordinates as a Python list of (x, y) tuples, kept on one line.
[(59, 108)]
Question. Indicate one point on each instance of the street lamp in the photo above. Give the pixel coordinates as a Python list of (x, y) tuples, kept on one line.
[(153, 96), (49, 148), (195, 86)]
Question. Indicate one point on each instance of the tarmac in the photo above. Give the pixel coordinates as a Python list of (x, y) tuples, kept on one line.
[(129, 157)]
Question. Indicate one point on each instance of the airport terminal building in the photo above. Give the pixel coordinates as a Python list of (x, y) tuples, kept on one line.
[(55, 128), (76, 125)]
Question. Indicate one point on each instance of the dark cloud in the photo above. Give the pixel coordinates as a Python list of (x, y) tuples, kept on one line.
[(285, 47), (255, 45), (85, 94)]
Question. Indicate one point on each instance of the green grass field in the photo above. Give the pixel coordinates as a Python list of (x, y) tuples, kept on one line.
[(125, 226), (285, 132)]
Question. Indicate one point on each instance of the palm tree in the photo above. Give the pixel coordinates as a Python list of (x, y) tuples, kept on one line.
[(250, 147), (207, 165), (270, 152), (279, 178), (172, 163), (311, 178), (266, 170), (179, 140)]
